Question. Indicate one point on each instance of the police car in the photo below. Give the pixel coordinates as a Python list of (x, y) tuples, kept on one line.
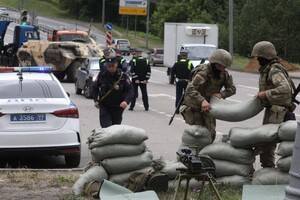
[(37, 115)]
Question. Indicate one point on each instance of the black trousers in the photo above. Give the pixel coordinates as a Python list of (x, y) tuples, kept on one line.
[(180, 88), (110, 115), (143, 88)]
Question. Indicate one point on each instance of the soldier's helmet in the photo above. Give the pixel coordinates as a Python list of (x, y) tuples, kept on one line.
[(264, 49), (222, 57)]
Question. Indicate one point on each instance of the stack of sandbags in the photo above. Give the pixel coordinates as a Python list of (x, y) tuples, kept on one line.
[(195, 137), (287, 133), (121, 150), (118, 150), (279, 175), (234, 166)]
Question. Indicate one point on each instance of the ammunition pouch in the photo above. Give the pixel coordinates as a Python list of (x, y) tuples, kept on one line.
[(190, 116)]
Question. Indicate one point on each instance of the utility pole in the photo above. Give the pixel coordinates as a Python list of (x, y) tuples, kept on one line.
[(147, 28), (231, 27), (103, 12)]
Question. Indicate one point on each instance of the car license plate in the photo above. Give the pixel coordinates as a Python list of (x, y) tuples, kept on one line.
[(37, 117)]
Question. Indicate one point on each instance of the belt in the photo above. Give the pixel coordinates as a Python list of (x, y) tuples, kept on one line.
[(177, 79)]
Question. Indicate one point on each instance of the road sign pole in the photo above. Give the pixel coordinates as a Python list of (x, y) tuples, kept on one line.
[(108, 37)]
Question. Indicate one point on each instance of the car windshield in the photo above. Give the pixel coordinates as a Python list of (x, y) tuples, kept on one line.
[(30, 89), (123, 42), (160, 51), (199, 52), (94, 65), (71, 37)]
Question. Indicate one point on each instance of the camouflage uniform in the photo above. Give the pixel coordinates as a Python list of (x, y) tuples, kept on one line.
[(203, 84), (274, 81)]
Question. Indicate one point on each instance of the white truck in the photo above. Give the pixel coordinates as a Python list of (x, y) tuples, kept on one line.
[(201, 40)]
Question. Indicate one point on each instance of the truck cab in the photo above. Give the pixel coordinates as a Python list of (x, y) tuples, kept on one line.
[(22, 34)]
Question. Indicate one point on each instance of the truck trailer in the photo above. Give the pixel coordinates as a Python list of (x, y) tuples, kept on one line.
[(201, 40)]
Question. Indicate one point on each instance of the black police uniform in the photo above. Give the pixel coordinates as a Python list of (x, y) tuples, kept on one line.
[(140, 70), (109, 108), (181, 69)]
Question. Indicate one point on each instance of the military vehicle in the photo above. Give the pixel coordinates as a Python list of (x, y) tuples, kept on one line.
[(64, 57)]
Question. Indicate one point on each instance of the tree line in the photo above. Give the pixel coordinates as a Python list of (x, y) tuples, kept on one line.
[(254, 20)]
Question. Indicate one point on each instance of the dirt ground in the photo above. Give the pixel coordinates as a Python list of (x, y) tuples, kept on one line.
[(38, 185), (253, 65)]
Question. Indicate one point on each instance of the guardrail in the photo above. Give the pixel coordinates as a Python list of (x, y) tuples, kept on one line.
[(43, 28)]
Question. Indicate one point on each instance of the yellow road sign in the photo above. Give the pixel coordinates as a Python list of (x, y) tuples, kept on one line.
[(132, 11)]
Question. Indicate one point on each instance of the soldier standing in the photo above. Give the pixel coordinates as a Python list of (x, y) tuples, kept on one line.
[(181, 69), (140, 73), (112, 92), (207, 81), (275, 92)]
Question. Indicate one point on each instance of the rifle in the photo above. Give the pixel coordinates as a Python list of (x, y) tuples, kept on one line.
[(177, 108), (296, 92)]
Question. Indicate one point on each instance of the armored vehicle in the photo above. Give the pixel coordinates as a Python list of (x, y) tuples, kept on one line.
[(64, 57)]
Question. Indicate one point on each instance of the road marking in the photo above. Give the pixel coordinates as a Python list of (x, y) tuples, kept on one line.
[(247, 87)]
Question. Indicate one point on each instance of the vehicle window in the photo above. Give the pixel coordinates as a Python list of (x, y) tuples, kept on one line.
[(31, 35), (94, 65), (152, 51), (160, 51), (197, 52), (71, 37), (30, 89), (123, 42)]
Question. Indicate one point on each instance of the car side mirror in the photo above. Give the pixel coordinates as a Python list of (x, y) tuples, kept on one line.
[(68, 94)]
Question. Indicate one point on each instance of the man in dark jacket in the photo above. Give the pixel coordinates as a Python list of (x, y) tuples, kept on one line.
[(140, 73), (181, 69), (112, 92)]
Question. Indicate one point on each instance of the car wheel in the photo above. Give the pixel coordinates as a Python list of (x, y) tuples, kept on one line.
[(87, 90), (72, 161), (77, 90), (153, 63)]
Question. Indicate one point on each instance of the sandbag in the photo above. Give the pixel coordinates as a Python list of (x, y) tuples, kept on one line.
[(127, 163), (170, 169), (196, 136), (251, 137), (234, 180), (122, 178), (116, 134), (225, 151), (197, 131), (284, 163), (270, 176), (227, 168), (116, 150), (94, 172), (223, 109), (287, 130), (285, 148)]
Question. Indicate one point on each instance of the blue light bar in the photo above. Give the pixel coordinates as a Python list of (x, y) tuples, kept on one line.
[(45, 69)]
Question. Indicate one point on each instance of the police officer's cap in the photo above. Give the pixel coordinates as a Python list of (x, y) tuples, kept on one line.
[(138, 51), (106, 49), (184, 51), (111, 59)]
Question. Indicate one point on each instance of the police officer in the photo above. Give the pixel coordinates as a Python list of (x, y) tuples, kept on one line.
[(112, 92), (181, 69), (140, 73), (275, 92), (121, 61), (106, 53), (208, 80)]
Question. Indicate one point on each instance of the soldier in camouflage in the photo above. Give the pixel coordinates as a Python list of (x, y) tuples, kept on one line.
[(275, 92), (207, 80)]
